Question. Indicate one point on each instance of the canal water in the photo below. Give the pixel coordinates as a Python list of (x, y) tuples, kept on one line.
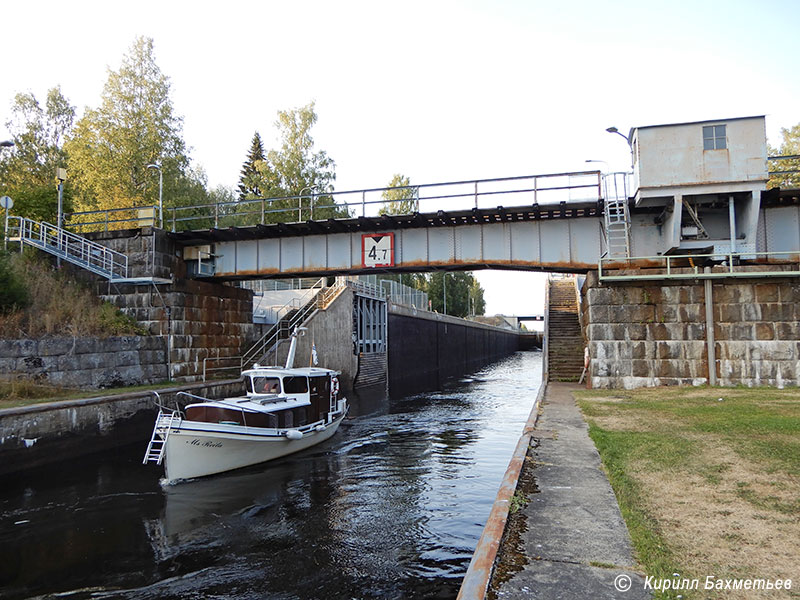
[(391, 507)]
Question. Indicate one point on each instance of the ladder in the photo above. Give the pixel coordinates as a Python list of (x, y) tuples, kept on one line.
[(165, 423), (71, 248), (616, 215)]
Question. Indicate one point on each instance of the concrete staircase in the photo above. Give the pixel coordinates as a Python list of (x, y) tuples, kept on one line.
[(565, 341)]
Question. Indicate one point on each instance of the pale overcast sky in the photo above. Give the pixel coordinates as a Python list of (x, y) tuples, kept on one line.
[(435, 90)]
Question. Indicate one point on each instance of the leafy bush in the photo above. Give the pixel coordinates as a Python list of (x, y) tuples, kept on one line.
[(115, 322)]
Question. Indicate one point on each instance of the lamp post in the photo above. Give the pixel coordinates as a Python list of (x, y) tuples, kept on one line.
[(160, 192), (300, 203), (6, 202), (588, 160), (624, 137)]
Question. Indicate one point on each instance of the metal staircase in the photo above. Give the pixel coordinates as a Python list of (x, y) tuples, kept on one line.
[(70, 247), (616, 215), (294, 317)]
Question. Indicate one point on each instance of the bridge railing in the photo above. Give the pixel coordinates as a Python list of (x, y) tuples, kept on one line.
[(699, 266), (550, 188), (110, 219)]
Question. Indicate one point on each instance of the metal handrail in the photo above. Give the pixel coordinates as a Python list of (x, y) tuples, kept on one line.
[(535, 187), (106, 221), (273, 336), (729, 260), (72, 247)]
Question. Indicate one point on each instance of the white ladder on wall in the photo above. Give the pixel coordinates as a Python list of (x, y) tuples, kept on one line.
[(616, 215)]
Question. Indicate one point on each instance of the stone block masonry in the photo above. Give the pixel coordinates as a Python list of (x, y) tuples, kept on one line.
[(199, 320), (651, 334), (86, 362)]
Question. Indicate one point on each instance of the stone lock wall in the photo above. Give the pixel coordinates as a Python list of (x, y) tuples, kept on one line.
[(86, 362), (204, 320), (198, 320), (643, 335)]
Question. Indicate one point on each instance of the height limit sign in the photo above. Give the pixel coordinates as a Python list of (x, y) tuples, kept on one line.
[(377, 250)]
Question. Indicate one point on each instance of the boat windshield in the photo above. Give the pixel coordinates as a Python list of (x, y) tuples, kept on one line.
[(264, 385)]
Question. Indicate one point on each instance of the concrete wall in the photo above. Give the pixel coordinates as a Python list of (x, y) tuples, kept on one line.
[(56, 431), (86, 362), (331, 329), (425, 348), (642, 335)]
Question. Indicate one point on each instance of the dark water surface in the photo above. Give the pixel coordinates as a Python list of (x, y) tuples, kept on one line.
[(391, 507)]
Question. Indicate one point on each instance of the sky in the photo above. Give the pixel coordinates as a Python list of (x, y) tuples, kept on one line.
[(435, 90)]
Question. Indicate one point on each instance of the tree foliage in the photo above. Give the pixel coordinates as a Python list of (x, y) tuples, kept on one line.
[(293, 175), (134, 126), (400, 197), (789, 147), (250, 181), (464, 294), (28, 169)]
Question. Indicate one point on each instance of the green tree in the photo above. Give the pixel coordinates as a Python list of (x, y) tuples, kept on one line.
[(400, 197), (250, 181), (789, 147), (298, 169), (28, 169), (295, 169), (134, 126), (477, 301), (461, 289)]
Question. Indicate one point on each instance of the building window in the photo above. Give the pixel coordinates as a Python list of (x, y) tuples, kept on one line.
[(714, 137)]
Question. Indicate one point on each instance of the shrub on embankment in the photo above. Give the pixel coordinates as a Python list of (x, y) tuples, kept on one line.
[(38, 300)]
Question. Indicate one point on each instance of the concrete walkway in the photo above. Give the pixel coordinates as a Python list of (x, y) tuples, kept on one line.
[(576, 543)]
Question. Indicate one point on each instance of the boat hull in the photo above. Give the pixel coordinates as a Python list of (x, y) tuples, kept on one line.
[(197, 449)]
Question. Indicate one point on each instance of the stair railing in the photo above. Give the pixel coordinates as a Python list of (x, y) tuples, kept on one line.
[(71, 247), (316, 298)]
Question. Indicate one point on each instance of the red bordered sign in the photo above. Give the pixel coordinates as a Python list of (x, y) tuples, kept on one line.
[(377, 250)]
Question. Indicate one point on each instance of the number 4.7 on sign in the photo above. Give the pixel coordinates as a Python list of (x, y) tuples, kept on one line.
[(377, 250)]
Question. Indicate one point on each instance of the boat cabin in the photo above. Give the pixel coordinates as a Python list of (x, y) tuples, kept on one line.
[(276, 398)]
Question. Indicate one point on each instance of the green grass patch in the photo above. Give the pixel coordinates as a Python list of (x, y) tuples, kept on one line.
[(686, 433), (760, 424), (16, 393), (617, 450)]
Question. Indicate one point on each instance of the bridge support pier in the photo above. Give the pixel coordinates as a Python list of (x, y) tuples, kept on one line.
[(680, 332)]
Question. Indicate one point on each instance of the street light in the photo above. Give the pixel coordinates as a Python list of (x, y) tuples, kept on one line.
[(588, 160), (625, 137), (160, 191), (300, 203), (617, 131)]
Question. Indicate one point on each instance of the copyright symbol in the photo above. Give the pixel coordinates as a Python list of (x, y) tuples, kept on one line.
[(622, 583)]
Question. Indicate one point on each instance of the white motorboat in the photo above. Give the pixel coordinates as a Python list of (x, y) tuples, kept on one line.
[(285, 410)]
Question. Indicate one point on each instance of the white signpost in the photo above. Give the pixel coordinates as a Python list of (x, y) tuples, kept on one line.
[(7, 203), (377, 250)]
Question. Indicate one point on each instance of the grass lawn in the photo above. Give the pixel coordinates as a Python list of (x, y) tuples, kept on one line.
[(708, 480), (15, 393)]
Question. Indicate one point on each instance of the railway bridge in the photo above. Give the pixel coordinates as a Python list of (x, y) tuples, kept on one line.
[(692, 262)]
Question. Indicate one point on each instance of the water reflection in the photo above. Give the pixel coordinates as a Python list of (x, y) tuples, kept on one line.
[(390, 507)]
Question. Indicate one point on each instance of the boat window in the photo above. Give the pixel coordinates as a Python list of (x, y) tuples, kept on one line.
[(295, 385), (266, 385)]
